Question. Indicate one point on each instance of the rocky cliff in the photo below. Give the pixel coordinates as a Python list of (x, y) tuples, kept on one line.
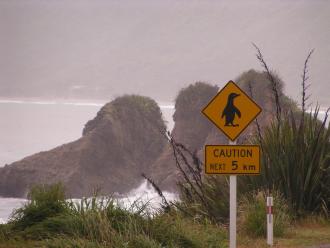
[(191, 129), (120, 143)]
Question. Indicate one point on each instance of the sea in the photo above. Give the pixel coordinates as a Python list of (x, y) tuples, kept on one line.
[(28, 127)]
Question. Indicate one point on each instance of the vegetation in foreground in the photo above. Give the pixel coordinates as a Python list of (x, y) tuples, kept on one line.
[(50, 221)]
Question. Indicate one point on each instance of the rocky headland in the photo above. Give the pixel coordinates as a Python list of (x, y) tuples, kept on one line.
[(126, 139), (120, 143)]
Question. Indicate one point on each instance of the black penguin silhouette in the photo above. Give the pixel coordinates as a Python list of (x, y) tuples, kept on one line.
[(230, 111)]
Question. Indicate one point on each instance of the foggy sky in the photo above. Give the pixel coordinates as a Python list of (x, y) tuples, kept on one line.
[(102, 49)]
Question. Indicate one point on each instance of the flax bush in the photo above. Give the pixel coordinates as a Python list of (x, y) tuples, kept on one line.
[(296, 162), (295, 153)]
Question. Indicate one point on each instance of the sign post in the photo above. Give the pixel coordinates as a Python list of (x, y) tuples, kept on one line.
[(232, 207), (232, 110)]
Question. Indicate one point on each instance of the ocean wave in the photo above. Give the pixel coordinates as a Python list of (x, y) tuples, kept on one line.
[(83, 104), (96, 104)]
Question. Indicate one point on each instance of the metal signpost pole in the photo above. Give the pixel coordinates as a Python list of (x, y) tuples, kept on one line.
[(232, 207)]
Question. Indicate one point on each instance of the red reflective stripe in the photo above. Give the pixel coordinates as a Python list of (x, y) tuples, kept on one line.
[(269, 210)]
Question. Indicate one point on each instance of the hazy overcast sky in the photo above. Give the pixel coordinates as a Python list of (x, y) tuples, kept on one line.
[(101, 49)]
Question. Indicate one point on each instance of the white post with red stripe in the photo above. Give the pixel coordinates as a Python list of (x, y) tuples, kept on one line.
[(270, 221)]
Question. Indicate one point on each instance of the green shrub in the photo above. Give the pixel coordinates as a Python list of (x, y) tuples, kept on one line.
[(252, 214), (59, 225), (45, 201)]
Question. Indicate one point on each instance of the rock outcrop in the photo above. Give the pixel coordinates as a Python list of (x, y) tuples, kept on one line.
[(191, 129), (125, 139), (120, 143)]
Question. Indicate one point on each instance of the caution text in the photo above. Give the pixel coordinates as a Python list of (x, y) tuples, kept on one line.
[(227, 159)]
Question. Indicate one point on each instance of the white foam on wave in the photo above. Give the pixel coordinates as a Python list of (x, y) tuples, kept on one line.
[(146, 195), (167, 106)]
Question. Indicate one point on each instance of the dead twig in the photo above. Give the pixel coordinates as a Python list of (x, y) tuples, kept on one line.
[(274, 83)]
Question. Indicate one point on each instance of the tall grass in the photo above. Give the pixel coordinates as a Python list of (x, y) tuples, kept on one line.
[(252, 212)]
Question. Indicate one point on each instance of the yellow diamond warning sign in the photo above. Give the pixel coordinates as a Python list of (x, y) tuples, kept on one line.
[(231, 110), (232, 159)]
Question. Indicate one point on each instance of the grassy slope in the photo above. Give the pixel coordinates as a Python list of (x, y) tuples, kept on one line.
[(303, 234)]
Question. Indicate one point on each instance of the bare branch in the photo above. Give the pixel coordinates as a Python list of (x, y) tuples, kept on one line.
[(274, 82), (158, 190), (304, 82)]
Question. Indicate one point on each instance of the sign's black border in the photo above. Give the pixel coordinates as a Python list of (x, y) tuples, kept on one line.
[(260, 109), (253, 174)]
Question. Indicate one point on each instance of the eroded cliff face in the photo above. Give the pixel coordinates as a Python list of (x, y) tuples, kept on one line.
[(194, 130), (120, 143), (191, 129)]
